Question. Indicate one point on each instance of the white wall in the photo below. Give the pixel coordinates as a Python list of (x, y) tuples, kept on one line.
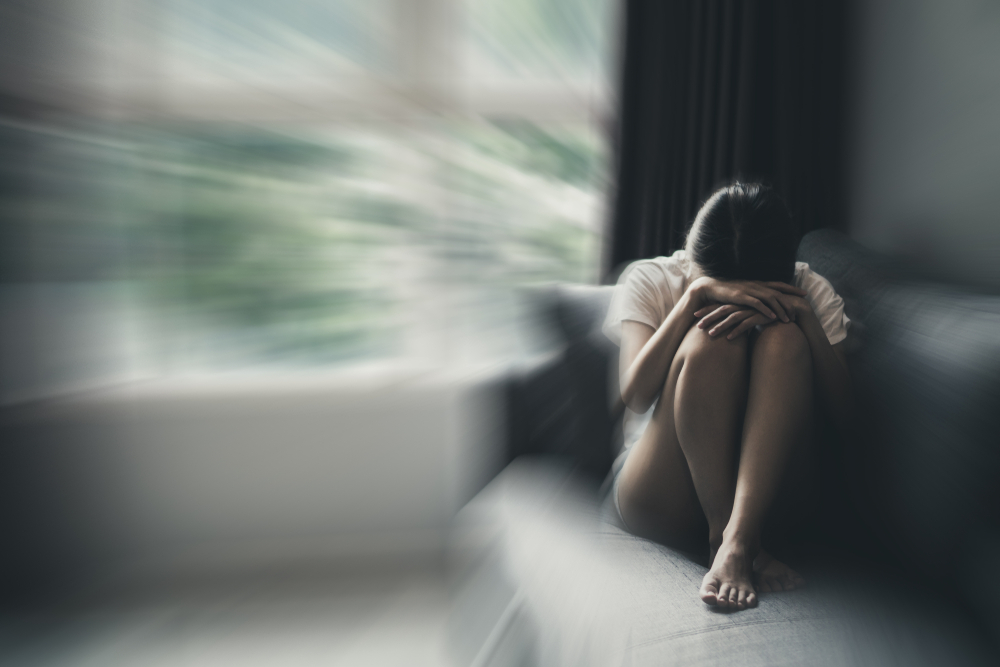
[(926, 149), (243, 472)]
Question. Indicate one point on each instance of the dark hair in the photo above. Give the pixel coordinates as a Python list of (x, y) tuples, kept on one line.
[(744, 232)]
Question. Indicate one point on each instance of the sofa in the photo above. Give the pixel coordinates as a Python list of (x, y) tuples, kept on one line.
[(899, 553)]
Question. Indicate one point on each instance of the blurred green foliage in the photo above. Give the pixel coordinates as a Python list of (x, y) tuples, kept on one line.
[(320, 245), (539, 39), (297, 244)]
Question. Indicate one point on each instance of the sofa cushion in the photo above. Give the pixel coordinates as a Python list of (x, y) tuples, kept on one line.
[(543, 579)]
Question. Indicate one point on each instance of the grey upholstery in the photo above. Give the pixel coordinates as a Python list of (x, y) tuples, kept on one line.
[(543, 579), (564, 407), (927, 376)]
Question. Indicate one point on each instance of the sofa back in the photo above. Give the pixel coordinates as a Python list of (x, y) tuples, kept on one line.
[(565, 407), (923, 464)]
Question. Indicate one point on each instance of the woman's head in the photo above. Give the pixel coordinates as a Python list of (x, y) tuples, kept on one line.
[(744, 232)]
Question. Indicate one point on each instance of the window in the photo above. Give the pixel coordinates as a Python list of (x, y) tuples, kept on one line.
[(302, 182)]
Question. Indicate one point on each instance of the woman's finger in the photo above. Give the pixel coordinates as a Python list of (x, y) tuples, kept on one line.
[(786, 288), (701, 312), (786, 302), (777, 307), (746, 325), (713, 308), (743, 293), (770, 297), (731, 321), (717, 314), (745, 299)]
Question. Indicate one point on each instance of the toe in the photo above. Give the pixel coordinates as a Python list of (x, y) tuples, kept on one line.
[(709, 591), (724, 590), (751, 599), (786, 583), (734, 595), (741, 600), (764, 586)]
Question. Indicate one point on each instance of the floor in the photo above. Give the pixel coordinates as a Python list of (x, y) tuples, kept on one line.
[(369, 618)]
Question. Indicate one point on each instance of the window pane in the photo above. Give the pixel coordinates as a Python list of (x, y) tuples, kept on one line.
[(223, 247), (272, 245), (178, 244), (275, 40), (312, 246), (518, 203), (538, 40)]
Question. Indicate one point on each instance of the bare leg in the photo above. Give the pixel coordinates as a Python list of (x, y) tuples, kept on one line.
[(778, 415), (683, 469)]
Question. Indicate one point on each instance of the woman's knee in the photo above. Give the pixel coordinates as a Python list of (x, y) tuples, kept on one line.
[(783, 340), (702, 350)]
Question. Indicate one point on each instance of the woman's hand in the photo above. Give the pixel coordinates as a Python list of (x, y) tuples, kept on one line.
[(738, 319), (767, 298)]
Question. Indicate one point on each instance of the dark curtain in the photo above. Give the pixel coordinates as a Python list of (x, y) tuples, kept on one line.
[(716, 90)]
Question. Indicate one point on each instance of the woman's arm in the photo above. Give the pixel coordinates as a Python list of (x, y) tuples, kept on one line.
[(646, 353)]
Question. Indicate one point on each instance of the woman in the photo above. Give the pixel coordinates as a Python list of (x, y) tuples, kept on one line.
[(729, 343)]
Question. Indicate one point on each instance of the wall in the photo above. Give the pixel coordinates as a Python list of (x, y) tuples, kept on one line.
[(926, 147), (237, 473)]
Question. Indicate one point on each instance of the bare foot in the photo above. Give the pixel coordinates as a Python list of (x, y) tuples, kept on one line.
[(728, 582), (773, 576)]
